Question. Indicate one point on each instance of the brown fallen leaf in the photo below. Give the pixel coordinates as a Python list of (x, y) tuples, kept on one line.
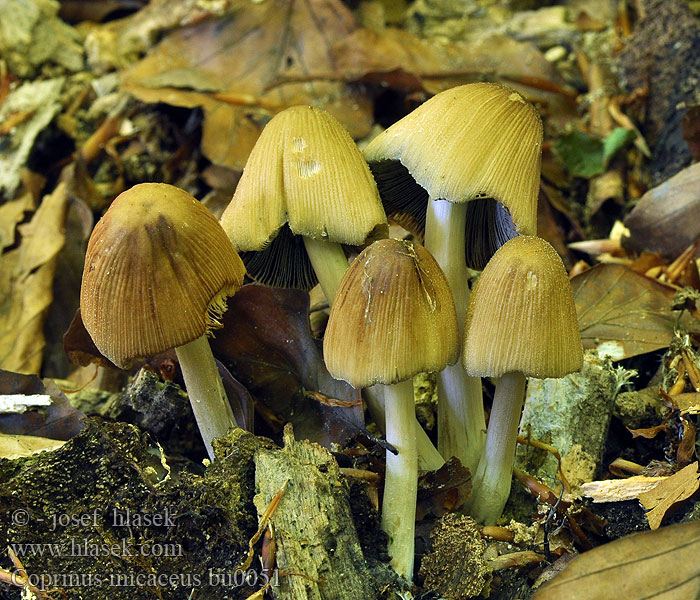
[(444, 490), (267, 345), (687, 401), (399, 59), (327, 401), (665, 220), (650, 433), (236, 68), (676, 488), (59, 421), (27, 267), (652, 565), (622, 313)]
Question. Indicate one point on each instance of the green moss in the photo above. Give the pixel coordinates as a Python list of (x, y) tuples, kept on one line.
[(112, 525)]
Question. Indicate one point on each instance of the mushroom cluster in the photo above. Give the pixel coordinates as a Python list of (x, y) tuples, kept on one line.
[(462, 170), (463, 166), (306, 190)]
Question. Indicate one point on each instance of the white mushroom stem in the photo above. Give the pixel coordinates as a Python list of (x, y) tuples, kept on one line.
[(329, 263), (205, 389), (491, 484), (461, 421), (429, 459), (401, 480)]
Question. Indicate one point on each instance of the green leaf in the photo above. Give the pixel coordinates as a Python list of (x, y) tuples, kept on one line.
[(616, 141), (581, 154)]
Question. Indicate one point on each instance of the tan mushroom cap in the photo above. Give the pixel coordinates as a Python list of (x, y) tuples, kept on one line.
[(304, 170), (157, 272), (479, 140), (393, 317), (521, 315)]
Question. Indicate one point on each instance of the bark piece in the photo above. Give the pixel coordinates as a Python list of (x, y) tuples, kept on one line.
[(662, 56), (316, 538)]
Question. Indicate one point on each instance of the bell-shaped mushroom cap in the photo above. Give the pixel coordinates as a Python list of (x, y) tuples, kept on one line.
[(393, 317), (521, 315), (479, 140), (157, 272), (305, 170)]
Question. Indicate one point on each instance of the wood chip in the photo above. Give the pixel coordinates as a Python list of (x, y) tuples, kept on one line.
[(619, 490)]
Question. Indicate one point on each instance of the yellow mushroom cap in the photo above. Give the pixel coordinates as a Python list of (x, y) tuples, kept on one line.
[(521, 315), (393, 317), (158, 269), (479, 140), (304, 170)]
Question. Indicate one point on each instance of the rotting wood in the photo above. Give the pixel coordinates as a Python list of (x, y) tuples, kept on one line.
[(318, 551)]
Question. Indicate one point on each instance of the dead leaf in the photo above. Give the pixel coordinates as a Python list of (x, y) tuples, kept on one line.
[(686, 448), (676, 488), (650, 433), (687, 401), (17, 446), (59, 421), (665, 220), (79, 347), (237, 68), (444, 490), (267, 345), (622, 313), (40, 101), (27, 267), (399, 59), (326, 401), (659, 565)]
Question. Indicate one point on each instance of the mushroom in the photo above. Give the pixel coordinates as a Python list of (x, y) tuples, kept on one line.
[(304, 171), (393, 318), (521, 323), (460, 152), (158, 269)]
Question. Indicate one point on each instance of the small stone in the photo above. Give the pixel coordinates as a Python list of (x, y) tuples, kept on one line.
[(555, 54)]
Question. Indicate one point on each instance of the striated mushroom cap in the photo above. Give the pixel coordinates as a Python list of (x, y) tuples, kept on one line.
[(158, 269), (477, 143), (521, 315), (305, 171), (393, 317)]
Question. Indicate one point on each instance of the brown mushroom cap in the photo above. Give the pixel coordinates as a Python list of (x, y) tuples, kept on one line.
[(521, 315), (305, 171), (393, 317), (157, 272)]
